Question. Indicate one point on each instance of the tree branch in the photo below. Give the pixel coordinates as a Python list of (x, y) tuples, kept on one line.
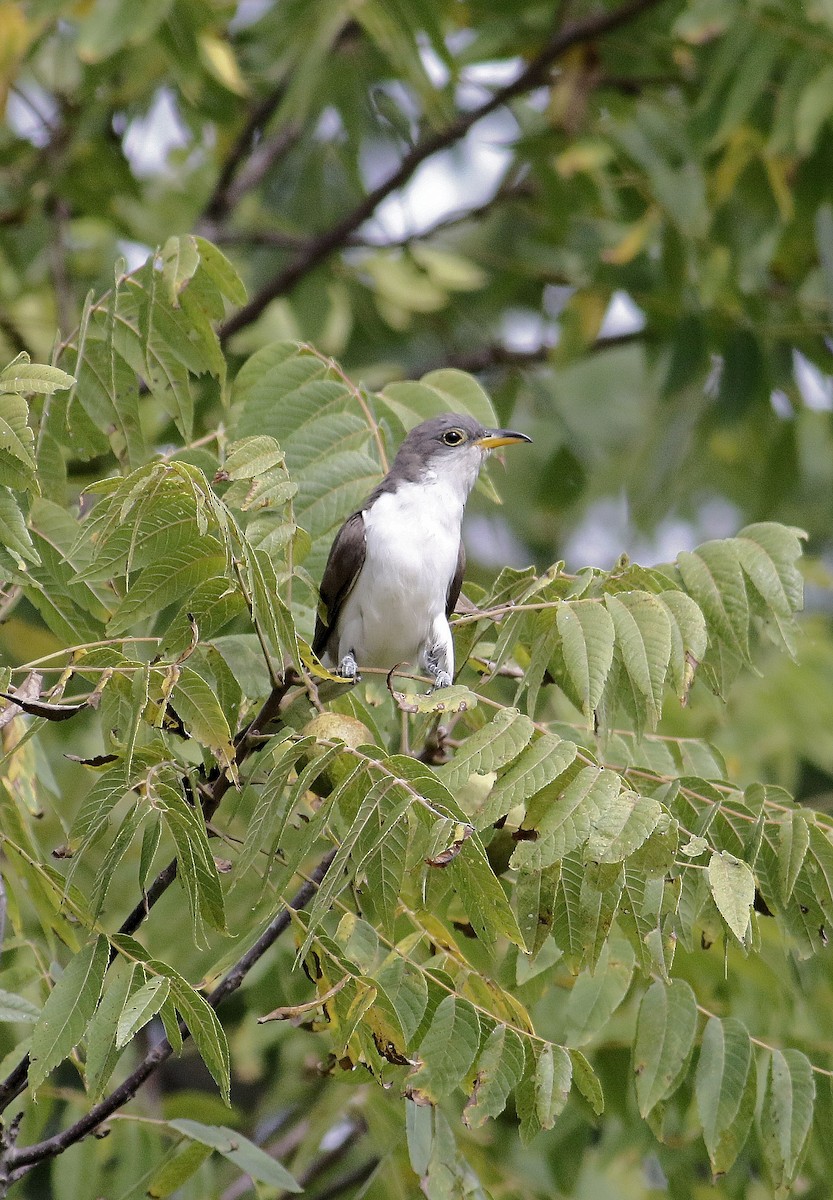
[(495, 354), (337, 236), (19, 1161), (218, 205)]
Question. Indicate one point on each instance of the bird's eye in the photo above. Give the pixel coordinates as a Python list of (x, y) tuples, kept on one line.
[(453, 437)]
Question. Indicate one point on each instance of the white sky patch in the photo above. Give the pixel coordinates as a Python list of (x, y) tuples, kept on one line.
[(457, 179), (435, 68), (492, 542), (623, 316), (524, 329), (605, 532), (29, 112), (781, 405), (816, 388), (480, 80), (248, 13), (150, 139), (135, 254), (330, 125)]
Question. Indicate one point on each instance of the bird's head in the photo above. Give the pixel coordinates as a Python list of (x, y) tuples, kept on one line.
[(452, 447)]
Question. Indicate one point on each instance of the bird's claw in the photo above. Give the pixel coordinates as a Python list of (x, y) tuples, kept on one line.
[(442, 679), (349, 668)]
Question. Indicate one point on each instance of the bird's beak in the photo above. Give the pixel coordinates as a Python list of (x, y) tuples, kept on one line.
[(500, 437)]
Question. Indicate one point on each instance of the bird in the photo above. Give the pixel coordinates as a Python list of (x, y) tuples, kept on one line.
[(395, 568)]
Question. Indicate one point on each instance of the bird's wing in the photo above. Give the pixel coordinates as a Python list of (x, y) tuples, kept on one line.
[(345, 560), (456, 582)]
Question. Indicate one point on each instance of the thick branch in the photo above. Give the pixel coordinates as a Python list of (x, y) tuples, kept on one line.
[(219, 203), (338, 235), (495, 354), (20, 1160)]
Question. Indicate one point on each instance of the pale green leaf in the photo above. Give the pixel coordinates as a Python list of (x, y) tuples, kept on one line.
[(725, 1090), (596, 995), (627, 822), (665, 1031), (500, 1066), (587, 641), (142, 1006), (17, 1008), (23, 376), (68, 1010), (553, 1077), (245, 1155), (732, 886), (492, 747), (447, 1051), (787, 1115)]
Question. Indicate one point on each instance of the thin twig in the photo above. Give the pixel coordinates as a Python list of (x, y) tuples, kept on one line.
[(337, 236)]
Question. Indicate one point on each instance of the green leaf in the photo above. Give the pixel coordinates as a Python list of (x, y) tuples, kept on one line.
[(14, 536), (560, 818), (22, 376), (142, 1006), (500, 1067), (643, 640), (665, 1031), (221, 272), (245, 1155), (543, 761), (174, 1172), (207, 1032), (166, 581), (587, 1082), (793, 844), (447, 1051), (102, 1054), (68, 1010), (587, 641), (17, 462), (725, 1090), (596, 995), (406, 989), (196, 868), (535, 893), (492, 747), (787, 1115), (196, 703), (732, 886), (623, 827), (482, 896), (251, 456), (17, 1008)]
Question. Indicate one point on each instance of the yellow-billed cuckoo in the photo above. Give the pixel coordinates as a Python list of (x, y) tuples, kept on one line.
[(395, 569)]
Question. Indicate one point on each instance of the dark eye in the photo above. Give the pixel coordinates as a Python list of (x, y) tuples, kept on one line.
[(453, 437)]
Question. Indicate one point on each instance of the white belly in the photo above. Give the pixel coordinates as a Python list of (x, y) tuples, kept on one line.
[(413, 539)]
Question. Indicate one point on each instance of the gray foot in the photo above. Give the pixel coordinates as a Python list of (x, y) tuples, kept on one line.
[(442, 679), (349, 668)]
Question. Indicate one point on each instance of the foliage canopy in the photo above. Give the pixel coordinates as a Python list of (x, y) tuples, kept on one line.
[(542, 901)]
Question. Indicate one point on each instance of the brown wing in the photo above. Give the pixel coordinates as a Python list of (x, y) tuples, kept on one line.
[(456, 582), (345, 560)]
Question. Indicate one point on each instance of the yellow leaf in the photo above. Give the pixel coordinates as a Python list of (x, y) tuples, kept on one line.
[(219, 59), (634, 240)]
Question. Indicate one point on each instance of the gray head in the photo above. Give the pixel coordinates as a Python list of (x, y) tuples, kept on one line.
[(450, 445)]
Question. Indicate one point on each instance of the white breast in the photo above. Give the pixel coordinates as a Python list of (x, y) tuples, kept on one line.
[(413, 540)]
